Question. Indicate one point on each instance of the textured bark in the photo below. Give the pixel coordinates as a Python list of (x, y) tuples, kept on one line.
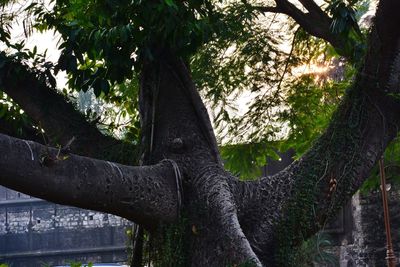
[(228, 222), (146, 195), (182, 132), (59, 118)]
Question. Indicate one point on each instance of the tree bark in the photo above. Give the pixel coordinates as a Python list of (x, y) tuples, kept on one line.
[(146, 195), (180, 130), (228, 222)]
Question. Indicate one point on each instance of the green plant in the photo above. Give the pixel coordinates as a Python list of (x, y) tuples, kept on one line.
[(79, 264), (316, 250), (392, 169)]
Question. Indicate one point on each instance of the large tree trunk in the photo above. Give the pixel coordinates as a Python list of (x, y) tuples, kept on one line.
[(226, 222), (178, 128)]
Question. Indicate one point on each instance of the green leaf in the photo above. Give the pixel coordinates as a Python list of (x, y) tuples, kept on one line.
[(171, 3), (3, 110)]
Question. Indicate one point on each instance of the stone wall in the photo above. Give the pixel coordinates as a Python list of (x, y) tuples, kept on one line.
[(369, 246), (358, 233), (34, 232)]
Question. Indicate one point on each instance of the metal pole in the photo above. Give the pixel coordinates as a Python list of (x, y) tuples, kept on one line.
[(390, 258)]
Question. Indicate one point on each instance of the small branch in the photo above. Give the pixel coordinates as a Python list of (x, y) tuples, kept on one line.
[(288, 58), (146, 195)]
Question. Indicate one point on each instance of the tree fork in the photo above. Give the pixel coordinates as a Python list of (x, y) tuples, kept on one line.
[(181, 131)]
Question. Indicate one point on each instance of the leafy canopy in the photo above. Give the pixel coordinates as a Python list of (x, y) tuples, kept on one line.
[(292, 81)]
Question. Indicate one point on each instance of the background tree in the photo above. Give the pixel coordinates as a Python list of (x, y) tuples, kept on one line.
[(181, 193)]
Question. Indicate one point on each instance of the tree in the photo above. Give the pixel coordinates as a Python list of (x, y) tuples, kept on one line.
[(180, 179)]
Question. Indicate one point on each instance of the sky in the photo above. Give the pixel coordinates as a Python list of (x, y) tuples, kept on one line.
[(43, 41)]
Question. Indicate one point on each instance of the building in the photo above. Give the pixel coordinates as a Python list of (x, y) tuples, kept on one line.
[(34, 232)]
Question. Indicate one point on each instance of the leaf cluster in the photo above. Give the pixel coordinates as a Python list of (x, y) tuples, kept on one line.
[(102, 42), (345, 15), (392, 169), (288, 105), (15, 119)]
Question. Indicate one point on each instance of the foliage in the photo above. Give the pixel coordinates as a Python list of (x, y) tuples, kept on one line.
[(392, 169), (315, 251), (244, 264), (237, 157), (35, 61), (169, 247), (317, 95), (244, 57), (15, 118), (73, 264), (103, 45), (279, 86), (164, 247), (102, 42), (345, 16)]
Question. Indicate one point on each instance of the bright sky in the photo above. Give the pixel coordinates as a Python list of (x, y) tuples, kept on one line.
[(43, 41)]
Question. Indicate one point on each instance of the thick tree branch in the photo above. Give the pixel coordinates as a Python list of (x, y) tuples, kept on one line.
[(59, 118), (160, 80), (146, 195), (316, 22), (299, 201)]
